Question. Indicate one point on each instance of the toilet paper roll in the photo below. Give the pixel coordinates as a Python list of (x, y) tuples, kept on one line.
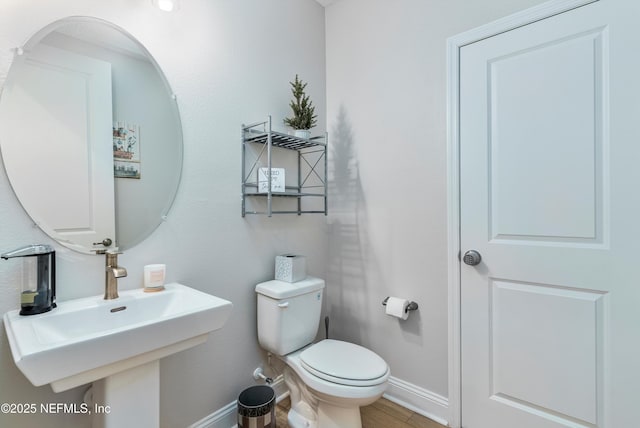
[(397, 307)]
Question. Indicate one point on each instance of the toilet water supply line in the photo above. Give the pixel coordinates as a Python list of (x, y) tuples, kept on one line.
[(326, 327), (258, 374)]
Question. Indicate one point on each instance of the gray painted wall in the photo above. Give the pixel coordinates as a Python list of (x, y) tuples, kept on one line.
[(229, 62), (386, 112)]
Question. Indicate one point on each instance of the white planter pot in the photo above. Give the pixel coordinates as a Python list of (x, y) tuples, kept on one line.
[(302, 133)]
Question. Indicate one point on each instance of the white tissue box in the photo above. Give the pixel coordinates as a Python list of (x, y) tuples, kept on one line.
[(291, 268)]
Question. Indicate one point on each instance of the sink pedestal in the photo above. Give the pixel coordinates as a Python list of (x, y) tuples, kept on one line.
[(130, 398)]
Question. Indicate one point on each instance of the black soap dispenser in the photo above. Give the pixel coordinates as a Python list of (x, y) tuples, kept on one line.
[(38, 278)]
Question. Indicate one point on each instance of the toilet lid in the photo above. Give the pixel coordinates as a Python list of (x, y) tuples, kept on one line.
[(344, 363)]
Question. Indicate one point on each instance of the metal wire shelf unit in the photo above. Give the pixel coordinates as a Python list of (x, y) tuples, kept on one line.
[(311, 156)]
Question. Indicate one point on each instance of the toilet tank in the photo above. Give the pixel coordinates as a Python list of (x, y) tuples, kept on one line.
[(288, 314)]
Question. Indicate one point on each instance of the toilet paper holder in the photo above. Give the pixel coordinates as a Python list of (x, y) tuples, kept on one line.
[(413, 306)]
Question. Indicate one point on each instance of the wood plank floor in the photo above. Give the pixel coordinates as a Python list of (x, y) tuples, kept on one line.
[(381, 414)]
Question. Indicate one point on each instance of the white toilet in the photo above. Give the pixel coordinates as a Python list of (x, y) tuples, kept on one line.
[(328, 381)]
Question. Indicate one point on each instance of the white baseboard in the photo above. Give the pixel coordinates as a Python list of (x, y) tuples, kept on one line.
[(221, 418), (414, 398), (226, 417), (419, 400)]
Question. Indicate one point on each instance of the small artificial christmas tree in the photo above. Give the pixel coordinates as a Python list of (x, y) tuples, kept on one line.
[(303, 109)]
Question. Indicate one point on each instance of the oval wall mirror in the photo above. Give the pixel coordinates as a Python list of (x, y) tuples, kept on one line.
[(90, 135)]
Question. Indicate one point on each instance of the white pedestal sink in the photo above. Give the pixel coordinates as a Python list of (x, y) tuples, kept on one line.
[(116, 344)]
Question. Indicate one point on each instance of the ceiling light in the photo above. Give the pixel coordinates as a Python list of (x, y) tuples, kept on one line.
[(166, 5)]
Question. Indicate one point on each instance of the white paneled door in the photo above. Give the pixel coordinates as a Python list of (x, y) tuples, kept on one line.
[(57, 143), (550, 199)]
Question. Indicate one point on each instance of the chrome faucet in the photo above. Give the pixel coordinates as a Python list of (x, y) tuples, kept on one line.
[(112, 273)]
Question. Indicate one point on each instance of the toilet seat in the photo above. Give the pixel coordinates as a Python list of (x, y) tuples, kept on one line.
[(327, 388), (344, 363)]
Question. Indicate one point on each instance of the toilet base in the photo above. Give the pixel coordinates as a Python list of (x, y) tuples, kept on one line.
[(338, 417), (313, 409), (328, 417), (296, 420)]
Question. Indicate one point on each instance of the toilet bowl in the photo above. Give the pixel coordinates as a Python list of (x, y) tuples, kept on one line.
[(329, 380)]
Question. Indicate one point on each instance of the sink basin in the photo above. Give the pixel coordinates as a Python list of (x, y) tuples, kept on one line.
[(87, 339)]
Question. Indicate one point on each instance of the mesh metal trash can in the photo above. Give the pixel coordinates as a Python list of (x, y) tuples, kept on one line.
[(257, 407)]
